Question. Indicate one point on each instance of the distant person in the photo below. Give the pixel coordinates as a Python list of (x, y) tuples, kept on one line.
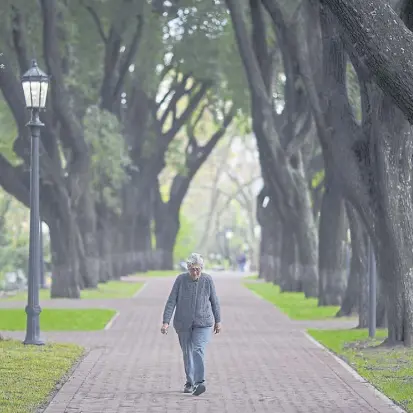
[(241, 260), (182, 265), (197, 314)]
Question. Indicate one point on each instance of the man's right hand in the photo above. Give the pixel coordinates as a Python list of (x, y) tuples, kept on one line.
[(164, 328)]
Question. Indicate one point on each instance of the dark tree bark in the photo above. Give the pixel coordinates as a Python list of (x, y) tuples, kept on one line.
[(87, 222), (166, 230), (290, 272), (107, 228), (357, 293), (393, 236), (271, 238), (381, 40), (332, 271), (63, 245)]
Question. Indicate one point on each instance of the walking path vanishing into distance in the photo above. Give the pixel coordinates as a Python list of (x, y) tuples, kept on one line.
[(261, 362)]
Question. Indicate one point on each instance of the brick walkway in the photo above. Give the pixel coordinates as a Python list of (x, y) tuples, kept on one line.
[(262, 362)]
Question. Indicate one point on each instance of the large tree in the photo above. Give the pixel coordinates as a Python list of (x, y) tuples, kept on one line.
[(375, 176), (108, 125), (165, 97), (196, 152), (281, 160)]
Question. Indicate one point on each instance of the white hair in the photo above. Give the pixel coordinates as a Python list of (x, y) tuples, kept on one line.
[(195, 259)]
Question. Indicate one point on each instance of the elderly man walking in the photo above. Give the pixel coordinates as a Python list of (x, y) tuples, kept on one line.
[(194, 298)]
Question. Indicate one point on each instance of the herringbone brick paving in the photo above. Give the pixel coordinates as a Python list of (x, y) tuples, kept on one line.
[(262, 362)]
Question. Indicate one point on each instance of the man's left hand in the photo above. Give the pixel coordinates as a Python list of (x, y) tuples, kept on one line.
[(217, 328)]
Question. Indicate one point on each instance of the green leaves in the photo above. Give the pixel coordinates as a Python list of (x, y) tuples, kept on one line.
[(109, 157), (8, 133)]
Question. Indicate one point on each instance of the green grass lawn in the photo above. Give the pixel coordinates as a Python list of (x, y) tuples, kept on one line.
[(251, 277), (28, 374), (57, 319), (389, 369), (295, 305), (111, 289)]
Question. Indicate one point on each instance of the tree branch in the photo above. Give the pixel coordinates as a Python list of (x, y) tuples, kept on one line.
[(190, 108), (179, 90), (13, 94), (301, 134), (12, 180), (97, 21), (72, 132), (372, 27), (195, 159), (131, 53), (19, 40)]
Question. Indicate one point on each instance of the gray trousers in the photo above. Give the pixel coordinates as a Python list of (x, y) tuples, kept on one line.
[(193, 343)]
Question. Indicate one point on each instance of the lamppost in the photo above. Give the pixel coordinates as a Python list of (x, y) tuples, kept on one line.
[(35, 85), (42, 281)]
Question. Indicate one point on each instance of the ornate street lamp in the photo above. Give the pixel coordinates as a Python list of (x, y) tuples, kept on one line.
[(35, 85)]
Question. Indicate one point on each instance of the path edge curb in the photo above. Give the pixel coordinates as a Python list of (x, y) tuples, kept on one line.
[(356, 375), (140, 289), (111, 321)]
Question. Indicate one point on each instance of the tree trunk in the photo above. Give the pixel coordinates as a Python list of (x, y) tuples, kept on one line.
[(289, 276), (106, 232), (393, 235), (271, 237), (266, 270), (305, 235), (332, 271), (166, 231), (357, 293), (307, 258), (87, 224), (65, 263), (117, 255), (274, 250), (349, 302), (142, 248), (381, 316)]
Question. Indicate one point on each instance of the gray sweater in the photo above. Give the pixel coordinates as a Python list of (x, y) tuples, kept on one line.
[(196, 303)]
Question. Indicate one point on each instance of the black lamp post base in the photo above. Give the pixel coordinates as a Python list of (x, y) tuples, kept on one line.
[(33, 326), (34, 342)]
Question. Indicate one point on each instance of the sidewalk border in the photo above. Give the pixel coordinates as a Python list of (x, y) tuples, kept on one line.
[(112, 320), (140, 289), (356, 375), (67, 392)]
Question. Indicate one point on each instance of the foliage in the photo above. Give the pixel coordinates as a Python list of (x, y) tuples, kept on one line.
[(109, 157), (86, 319), (29, 374), (199, 25), (8, 133), (317, 179), (14, 235), (388, 369), (295, 305)]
